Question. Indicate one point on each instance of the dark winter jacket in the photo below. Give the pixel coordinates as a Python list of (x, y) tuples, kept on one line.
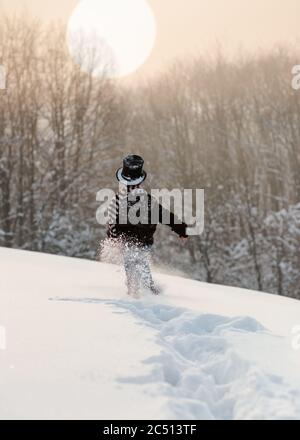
[(142, 232)]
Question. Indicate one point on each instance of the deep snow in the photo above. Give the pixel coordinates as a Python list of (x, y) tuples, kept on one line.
[(78, 347)]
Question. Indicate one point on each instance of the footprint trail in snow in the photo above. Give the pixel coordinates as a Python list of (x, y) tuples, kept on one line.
[(200, 372)]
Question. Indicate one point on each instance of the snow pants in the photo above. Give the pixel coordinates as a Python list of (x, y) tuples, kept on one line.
[(137, 268)]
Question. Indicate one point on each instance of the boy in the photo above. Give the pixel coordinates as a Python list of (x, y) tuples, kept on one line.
[(136, 238)]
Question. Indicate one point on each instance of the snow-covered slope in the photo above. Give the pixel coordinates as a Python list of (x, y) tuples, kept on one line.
[(78, 347)]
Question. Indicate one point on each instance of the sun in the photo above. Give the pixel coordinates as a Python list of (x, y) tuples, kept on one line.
[(111, 37)]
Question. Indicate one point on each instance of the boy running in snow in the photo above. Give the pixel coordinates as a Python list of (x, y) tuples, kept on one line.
[(136, 237)]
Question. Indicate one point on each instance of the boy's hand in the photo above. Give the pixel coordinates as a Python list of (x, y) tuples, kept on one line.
[(183, 239)]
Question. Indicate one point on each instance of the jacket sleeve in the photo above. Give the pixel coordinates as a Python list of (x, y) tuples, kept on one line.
[(174, 223), (112, 224)]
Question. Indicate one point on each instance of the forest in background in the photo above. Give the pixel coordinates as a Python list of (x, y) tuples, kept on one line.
[(229, 126)]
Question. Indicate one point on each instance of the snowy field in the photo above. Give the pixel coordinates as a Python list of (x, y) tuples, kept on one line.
[(78, 347)]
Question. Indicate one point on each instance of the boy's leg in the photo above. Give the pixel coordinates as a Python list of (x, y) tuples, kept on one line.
[(131, 265), (137, 269), (147, 279)]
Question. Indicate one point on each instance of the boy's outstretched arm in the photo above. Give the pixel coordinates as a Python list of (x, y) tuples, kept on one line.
[(178, 226)]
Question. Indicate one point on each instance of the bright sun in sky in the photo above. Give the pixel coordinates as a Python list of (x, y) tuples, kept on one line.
[(111, 37)]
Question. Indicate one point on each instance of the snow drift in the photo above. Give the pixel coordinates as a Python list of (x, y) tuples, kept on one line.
[(78, 347)]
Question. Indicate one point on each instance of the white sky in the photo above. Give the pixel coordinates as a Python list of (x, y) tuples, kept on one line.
[(188, 26)]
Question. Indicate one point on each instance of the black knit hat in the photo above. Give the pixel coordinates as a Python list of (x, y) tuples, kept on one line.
[(132, 172)]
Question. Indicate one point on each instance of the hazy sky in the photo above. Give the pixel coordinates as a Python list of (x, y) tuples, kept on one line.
[(188, 26)]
